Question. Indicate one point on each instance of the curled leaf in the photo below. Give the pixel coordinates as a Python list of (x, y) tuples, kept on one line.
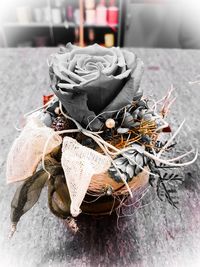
[(27, 195), (58, 194)]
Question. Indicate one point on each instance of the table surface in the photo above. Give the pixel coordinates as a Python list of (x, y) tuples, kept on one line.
[(155, 234)]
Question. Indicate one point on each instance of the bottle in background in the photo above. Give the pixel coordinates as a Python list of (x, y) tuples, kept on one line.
[(90, 4), (90, 16), (56, 15), (57, 12), (101, 13), (23, 14), (70, 13), (77, 16), (109, 39), (47, 14), (91, 36), (90, 13), (113, 12), (38, 14)]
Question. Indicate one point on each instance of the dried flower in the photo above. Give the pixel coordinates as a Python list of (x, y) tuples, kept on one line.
[(91, 80)]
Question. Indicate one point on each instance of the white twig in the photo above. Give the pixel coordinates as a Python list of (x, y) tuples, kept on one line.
[(170, 140), (37, 109), (181, 156), (157, 159)]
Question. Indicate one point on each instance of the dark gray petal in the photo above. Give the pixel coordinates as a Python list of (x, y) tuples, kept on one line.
[(128, 91)]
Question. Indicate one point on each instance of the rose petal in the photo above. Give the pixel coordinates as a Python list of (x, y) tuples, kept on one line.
[(82, 72), (123, 75), (69, 47), (73, 76), (62, 75), (108, 59), (126, 95), (120, 57), (77, 61), (137, 67), (83, 114), (71, 100), (90, 97), (59, 64), (94, 49), (118, 61), (91, 76), (100, 91), (131, 60), (97, 51)]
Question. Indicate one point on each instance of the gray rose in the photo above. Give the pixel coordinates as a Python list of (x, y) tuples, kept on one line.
[(93, 80)]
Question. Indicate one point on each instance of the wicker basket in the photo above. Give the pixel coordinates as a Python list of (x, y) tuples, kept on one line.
[(97, 203)]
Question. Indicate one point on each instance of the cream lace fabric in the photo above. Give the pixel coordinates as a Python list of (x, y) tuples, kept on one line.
[(27, 150), (80, 163)]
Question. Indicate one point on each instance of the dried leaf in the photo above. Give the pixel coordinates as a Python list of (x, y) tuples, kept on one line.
[(58, 194), (27, 195)]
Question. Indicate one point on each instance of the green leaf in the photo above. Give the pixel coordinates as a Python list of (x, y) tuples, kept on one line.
[(27, 195)]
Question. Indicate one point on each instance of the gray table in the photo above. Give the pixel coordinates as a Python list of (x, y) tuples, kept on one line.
[(155, 235)]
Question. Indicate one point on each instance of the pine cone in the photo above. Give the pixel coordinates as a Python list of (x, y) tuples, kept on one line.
[(60, 123)]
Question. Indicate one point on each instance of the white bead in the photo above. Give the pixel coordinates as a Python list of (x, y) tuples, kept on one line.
[(110, 123), (57, 110)]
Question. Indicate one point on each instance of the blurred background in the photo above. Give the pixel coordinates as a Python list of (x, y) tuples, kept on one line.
[(125, 23)]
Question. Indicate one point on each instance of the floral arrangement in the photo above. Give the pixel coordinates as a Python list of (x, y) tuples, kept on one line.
[(96, 140)]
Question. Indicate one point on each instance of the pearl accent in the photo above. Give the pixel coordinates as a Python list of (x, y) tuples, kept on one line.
[(57, 110), (110, 123)]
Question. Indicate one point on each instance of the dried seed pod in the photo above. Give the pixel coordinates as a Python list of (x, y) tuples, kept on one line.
[(60, 123)]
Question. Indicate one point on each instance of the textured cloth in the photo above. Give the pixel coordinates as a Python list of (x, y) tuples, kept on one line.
[(27, 150), (80, 164)]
